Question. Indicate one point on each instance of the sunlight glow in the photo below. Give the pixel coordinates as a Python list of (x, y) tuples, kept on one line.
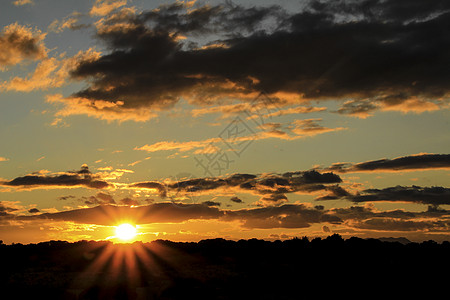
[(125, 232)]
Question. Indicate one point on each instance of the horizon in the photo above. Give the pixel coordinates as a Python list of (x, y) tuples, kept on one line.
[(401, 240), (133, 121)]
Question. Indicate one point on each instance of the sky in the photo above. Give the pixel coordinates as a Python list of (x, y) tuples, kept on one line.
[(231, 119)]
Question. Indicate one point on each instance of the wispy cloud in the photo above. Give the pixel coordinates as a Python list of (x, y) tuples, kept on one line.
[(22, 2), (423, 161), (294, 130), (105, 7), (51, 72)]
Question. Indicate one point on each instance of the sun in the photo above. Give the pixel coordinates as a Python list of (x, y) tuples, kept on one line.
[(125, 232)]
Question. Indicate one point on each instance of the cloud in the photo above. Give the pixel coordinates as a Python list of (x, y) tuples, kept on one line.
[(3, 159), (211, 203), (367, 217), (334, 192), (388, 224), (22, 2), (284, 216), (294, 130), (5, 209), (81, 178), (129, 202), (19, 43), (411, 105), (105, 7), (99, 199), (368, 53), (271, 187), (310, 127), (66, 197), (226, 111), (273, 199), (416, 194), (158, 187), (153, 213), (358, 108), (236, 200), (400, 164), (295, 110), (69, 22), (103, 110), (50, 73), (181, 146), (34, 211)]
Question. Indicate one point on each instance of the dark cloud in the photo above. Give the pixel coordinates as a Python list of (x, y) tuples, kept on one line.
[(211, 203), (153, 213), (335, 192), (129, 201), (66, 197), (389, 54), (236, 200), (368, 218), (100, 198), (416, 194), (405, 163), (33, 211), (433, 196), (387, 224), (152, 185), (81, 178), (360, 213), (5, 210), (272, 187), (284, 216), (275, 198)]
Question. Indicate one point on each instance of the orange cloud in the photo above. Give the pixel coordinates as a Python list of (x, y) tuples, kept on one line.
[(50, 73), (414, 105), (182, 146), (19, 43), (69, 22), (298, 129), (100, 109), (310, 127), (105, 7), (22, 2)]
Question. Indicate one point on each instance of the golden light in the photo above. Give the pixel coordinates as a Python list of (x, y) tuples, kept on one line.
[(125, 232)]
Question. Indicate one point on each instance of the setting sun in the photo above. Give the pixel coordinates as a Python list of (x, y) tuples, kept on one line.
[(125, 232)]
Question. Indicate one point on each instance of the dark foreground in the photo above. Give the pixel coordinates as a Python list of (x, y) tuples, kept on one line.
[(221, 269)]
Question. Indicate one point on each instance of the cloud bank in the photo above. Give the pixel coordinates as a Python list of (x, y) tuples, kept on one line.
[(378, 54)]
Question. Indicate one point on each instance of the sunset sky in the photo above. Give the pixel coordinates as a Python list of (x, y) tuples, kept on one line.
[(232, 119)]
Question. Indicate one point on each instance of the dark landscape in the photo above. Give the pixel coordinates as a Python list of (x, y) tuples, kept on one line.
[(222, 269)]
